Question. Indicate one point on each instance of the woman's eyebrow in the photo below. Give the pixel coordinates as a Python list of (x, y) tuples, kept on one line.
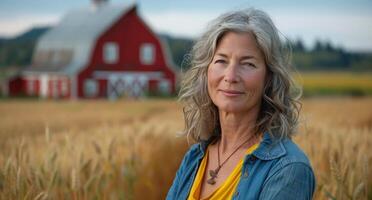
[(222, 55), (248, 57)]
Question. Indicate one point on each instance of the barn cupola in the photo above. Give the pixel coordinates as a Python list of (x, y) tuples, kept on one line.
[(96, 4)]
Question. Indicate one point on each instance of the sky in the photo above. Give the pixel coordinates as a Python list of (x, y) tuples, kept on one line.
[(344, 23)]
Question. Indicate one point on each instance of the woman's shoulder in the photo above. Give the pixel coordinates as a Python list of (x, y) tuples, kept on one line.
[(292, 160), (293, 153), (290, 175), (286, 160), (282, 150)]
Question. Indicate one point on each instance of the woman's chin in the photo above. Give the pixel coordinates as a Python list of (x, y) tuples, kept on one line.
[(231, 108)]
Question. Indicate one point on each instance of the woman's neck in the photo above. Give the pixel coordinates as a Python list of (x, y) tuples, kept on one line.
[(235, 129)]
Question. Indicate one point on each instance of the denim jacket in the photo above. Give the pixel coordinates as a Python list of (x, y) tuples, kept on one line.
[(277, 169)]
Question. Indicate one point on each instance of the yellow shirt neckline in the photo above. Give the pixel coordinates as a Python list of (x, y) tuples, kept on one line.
[(227, 188)]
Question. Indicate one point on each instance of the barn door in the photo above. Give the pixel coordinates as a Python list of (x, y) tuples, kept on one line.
[(127, 85)]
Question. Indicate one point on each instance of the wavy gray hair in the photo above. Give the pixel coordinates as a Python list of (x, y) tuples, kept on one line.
[(280, 106)]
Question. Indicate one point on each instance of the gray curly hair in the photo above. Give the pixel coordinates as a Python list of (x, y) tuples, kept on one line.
[(280, 106)]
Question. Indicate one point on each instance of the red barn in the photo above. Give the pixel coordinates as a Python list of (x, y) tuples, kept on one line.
[(99, 51)]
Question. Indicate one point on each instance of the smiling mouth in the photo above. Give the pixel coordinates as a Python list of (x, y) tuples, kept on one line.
[(231, 93)]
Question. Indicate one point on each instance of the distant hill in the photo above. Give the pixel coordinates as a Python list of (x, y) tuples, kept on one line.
[(17, 52), (29, 35), (32, 34), (179, 48)]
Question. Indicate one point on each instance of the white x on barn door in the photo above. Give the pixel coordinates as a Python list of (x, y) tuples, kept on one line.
[(127, 85)]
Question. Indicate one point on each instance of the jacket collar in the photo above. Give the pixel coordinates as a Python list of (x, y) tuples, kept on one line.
[(269, 148), (204, 144)]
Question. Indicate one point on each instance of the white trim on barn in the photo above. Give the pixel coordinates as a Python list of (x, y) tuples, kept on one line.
[(107, 74), (44, 79)]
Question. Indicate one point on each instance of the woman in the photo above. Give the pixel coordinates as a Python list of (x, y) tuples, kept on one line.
[(241, 109)]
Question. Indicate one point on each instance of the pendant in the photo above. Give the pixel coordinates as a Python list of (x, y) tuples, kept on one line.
[(211, 181), (213, 174)]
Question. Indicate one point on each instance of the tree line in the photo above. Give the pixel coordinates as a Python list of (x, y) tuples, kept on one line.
[(17, 52)]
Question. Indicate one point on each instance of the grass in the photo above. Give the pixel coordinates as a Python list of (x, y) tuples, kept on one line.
[(128, 149)]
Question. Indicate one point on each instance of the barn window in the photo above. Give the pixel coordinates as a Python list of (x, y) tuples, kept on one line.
[(164, 87), (90, 88), (147, 54), (110, 52)]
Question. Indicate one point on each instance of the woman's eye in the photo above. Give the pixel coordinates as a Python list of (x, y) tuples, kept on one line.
[(249, 65), (219, 61)]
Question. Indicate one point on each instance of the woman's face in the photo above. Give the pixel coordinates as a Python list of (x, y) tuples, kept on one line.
[(236, 75)]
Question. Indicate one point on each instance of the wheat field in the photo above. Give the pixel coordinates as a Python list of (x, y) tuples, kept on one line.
[(335, 83), (129, 150)]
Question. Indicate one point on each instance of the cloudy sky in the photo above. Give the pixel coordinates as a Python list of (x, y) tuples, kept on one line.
[(343, 22)]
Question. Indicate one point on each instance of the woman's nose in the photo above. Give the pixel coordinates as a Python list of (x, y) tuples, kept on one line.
[(231, 73)]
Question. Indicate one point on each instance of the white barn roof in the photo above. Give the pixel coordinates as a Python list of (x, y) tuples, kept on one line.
[(78, 32)]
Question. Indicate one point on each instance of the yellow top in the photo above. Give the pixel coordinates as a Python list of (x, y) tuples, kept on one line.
[(227, 189)]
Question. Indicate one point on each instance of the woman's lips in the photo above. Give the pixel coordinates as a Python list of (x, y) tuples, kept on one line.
[(231, 93)]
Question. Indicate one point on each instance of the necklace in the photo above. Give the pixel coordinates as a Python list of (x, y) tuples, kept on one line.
[(213, 173)]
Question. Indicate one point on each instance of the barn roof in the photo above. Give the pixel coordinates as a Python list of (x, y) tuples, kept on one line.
[(77, 33)]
